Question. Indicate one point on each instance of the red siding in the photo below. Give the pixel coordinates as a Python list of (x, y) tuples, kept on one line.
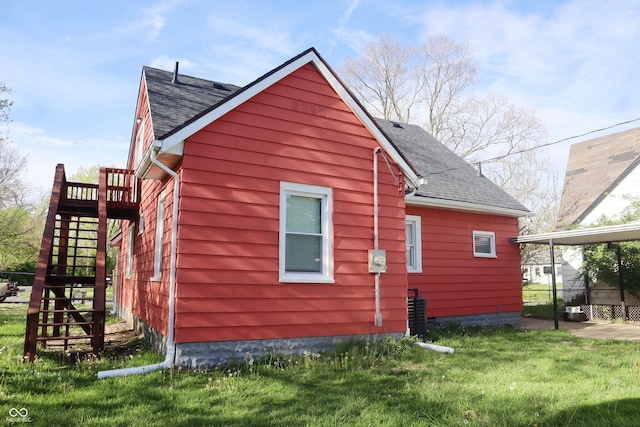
[(147, 299), (297, 130), (144, 298), (453, 280)]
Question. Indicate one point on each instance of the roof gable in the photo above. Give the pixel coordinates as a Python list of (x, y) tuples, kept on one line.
[(181, 108), (451, 182), (595, 167), (168, 138)]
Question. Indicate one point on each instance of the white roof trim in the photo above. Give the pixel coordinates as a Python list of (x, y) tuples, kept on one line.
[(175, 139), (586, 236), (464, 206)]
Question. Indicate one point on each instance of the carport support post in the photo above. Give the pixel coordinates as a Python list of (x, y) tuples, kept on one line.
[(620, 278), (553, 284)]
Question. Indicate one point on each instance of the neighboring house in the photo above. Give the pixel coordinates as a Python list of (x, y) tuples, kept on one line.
[(275, 243), (601, 175), (537, 269)]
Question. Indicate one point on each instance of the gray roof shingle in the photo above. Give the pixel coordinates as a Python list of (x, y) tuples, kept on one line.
[(175, 104), (448, 176)]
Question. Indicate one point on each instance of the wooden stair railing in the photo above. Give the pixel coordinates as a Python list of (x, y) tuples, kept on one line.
[(33, 312), (72, 261)]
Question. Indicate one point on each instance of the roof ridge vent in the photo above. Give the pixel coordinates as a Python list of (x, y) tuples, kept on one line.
[(174, 80), (397, 125)]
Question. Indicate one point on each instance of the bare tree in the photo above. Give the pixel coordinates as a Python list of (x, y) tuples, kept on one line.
[(12, 188), (431, 85), (382, 78), (444, 69)]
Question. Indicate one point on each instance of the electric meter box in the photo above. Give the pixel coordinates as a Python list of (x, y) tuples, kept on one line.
[(377, 260)]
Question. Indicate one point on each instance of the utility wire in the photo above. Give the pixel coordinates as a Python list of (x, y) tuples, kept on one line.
[(560, 140), (545, 144)]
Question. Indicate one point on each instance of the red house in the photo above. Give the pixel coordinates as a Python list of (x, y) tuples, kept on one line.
[(281, 216)]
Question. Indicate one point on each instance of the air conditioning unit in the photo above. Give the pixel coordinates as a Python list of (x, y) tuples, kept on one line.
[(417, 307)]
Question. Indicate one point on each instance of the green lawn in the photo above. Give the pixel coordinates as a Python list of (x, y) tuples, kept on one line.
[(537, 293), (497, 377), (542, 311)]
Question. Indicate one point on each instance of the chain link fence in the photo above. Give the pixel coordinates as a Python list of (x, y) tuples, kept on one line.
[(610, 312)]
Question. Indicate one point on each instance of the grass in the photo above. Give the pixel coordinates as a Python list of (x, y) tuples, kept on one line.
[(497, 377), (536, 293), (542, 311)]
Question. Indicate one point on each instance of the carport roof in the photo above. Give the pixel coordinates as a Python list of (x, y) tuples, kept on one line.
[(586, 236)]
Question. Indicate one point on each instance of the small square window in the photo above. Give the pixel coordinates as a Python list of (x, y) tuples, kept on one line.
[(484, 244)]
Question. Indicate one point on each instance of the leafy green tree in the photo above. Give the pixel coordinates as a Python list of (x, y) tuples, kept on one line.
[(19, 236), (601, 262), (12, 163), (21, 223)]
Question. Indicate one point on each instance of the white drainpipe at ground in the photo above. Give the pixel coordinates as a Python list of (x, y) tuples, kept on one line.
[(440, 348), (378, 315), (171, 346)]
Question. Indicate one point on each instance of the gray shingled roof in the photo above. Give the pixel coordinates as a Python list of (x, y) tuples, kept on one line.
[(174, 104), (448, 176)]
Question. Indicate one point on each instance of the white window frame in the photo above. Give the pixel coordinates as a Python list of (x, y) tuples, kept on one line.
[(492, 244), (157, 253), (131, 241), (139, 151), (415, 265), (325, 194), (141, 224)]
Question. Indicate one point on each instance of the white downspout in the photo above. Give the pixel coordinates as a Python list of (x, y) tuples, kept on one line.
[(378, 316), (171, 347)]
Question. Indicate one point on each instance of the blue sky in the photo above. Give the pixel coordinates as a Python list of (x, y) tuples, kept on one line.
[(74, 66)]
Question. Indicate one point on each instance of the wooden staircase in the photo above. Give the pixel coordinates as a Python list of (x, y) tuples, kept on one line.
[(67, 303)]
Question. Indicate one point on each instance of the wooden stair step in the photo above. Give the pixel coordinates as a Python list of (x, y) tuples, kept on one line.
[(68, 311), (56, 280), (72, 337), (65, 324)]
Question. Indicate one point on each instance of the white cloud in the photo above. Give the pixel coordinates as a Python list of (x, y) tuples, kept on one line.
[(574, 62), (151, 21), (354, 38), (569, 51), (269, 35), (31, 136), (44, 151), (154, 23), (164, 62)]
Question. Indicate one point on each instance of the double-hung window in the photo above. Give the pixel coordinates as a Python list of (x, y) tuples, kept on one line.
[(484, 244), (414, 244), (306, 236), (157, 254)]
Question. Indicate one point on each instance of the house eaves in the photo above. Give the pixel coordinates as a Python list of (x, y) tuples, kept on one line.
[(432, 202), (586, 236), (451, 182), (173, 141)]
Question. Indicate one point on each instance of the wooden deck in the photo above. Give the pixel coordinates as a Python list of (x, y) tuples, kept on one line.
[(73, 255)]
